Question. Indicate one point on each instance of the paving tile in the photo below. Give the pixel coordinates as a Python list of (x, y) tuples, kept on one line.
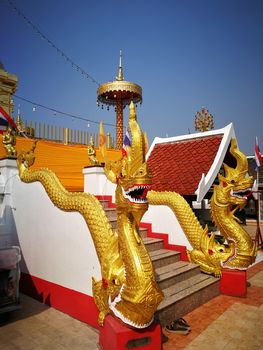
[(39, 327), (7, 334), (8, 346), (239, 319), (257, 280), (240, 335)]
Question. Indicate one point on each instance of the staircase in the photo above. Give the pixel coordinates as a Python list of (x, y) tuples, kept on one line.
[(185, 288)]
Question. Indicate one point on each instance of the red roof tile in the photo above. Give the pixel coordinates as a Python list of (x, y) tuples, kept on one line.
[(178, 166)]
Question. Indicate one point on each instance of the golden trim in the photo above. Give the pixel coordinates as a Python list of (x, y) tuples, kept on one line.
[(122, 86)]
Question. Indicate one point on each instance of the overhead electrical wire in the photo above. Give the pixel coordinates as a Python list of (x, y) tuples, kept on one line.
[(60, 112), (67, 58), (59, 51)]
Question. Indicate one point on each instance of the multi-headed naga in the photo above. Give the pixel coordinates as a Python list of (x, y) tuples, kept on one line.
[(128, 288), (229, 196)]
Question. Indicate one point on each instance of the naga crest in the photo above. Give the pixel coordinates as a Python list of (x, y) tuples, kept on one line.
[(131, 173), (235, 187)]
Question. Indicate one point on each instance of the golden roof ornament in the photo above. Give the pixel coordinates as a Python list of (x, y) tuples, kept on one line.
[(119, 93), (204, 121), (19, 122), (8, 86)]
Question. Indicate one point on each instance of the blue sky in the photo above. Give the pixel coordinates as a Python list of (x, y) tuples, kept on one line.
[(185, 54)]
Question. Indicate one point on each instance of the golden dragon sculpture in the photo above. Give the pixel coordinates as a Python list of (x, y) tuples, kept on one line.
[(229, 195), (128, 288)]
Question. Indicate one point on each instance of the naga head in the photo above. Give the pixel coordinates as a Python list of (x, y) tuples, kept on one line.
[(231, 195), (131, 173), (26, 159), (214, 253), (235, 187)]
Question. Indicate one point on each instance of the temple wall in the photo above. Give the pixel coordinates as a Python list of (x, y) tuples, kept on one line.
[(58, 254), (163, 220), (56, 245)]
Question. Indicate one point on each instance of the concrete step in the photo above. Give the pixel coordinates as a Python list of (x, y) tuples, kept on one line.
[(104, 203), (143, 232), (169, 275), (111, 213), (184, 286), (186, 296), (152, 244), (113, 222), (163, 257)]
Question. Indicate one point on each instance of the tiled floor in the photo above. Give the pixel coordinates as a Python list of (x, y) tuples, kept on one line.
[(222, 323), (226, 322), (39, 327)]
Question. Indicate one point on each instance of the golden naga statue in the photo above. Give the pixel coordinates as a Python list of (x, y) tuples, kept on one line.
[(9, 142), (231, 194), (128, 287)]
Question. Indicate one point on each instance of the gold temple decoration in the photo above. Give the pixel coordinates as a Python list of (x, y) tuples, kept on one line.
[(119, 93), (207, 253), (8, 86), (25, 130), (19, 122), (229, 196), (128, 288), (204, 121), (92, 152), (9, 142)]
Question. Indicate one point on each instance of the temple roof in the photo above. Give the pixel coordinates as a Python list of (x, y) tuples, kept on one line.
[(188, 164)]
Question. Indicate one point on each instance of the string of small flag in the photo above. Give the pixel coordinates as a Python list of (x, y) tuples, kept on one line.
[(44, 37), (56, 111)]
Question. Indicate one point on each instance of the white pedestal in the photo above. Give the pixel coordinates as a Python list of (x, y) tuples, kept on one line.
[(96, 182)]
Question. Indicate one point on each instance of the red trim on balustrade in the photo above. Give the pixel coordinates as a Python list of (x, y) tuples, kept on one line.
[(107, 198), (167, 245), (78, 305)]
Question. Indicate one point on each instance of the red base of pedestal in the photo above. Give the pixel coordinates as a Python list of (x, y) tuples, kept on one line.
[(115, 336), (234, 283)]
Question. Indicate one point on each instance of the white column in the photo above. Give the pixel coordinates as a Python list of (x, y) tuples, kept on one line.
[(8, 172)]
